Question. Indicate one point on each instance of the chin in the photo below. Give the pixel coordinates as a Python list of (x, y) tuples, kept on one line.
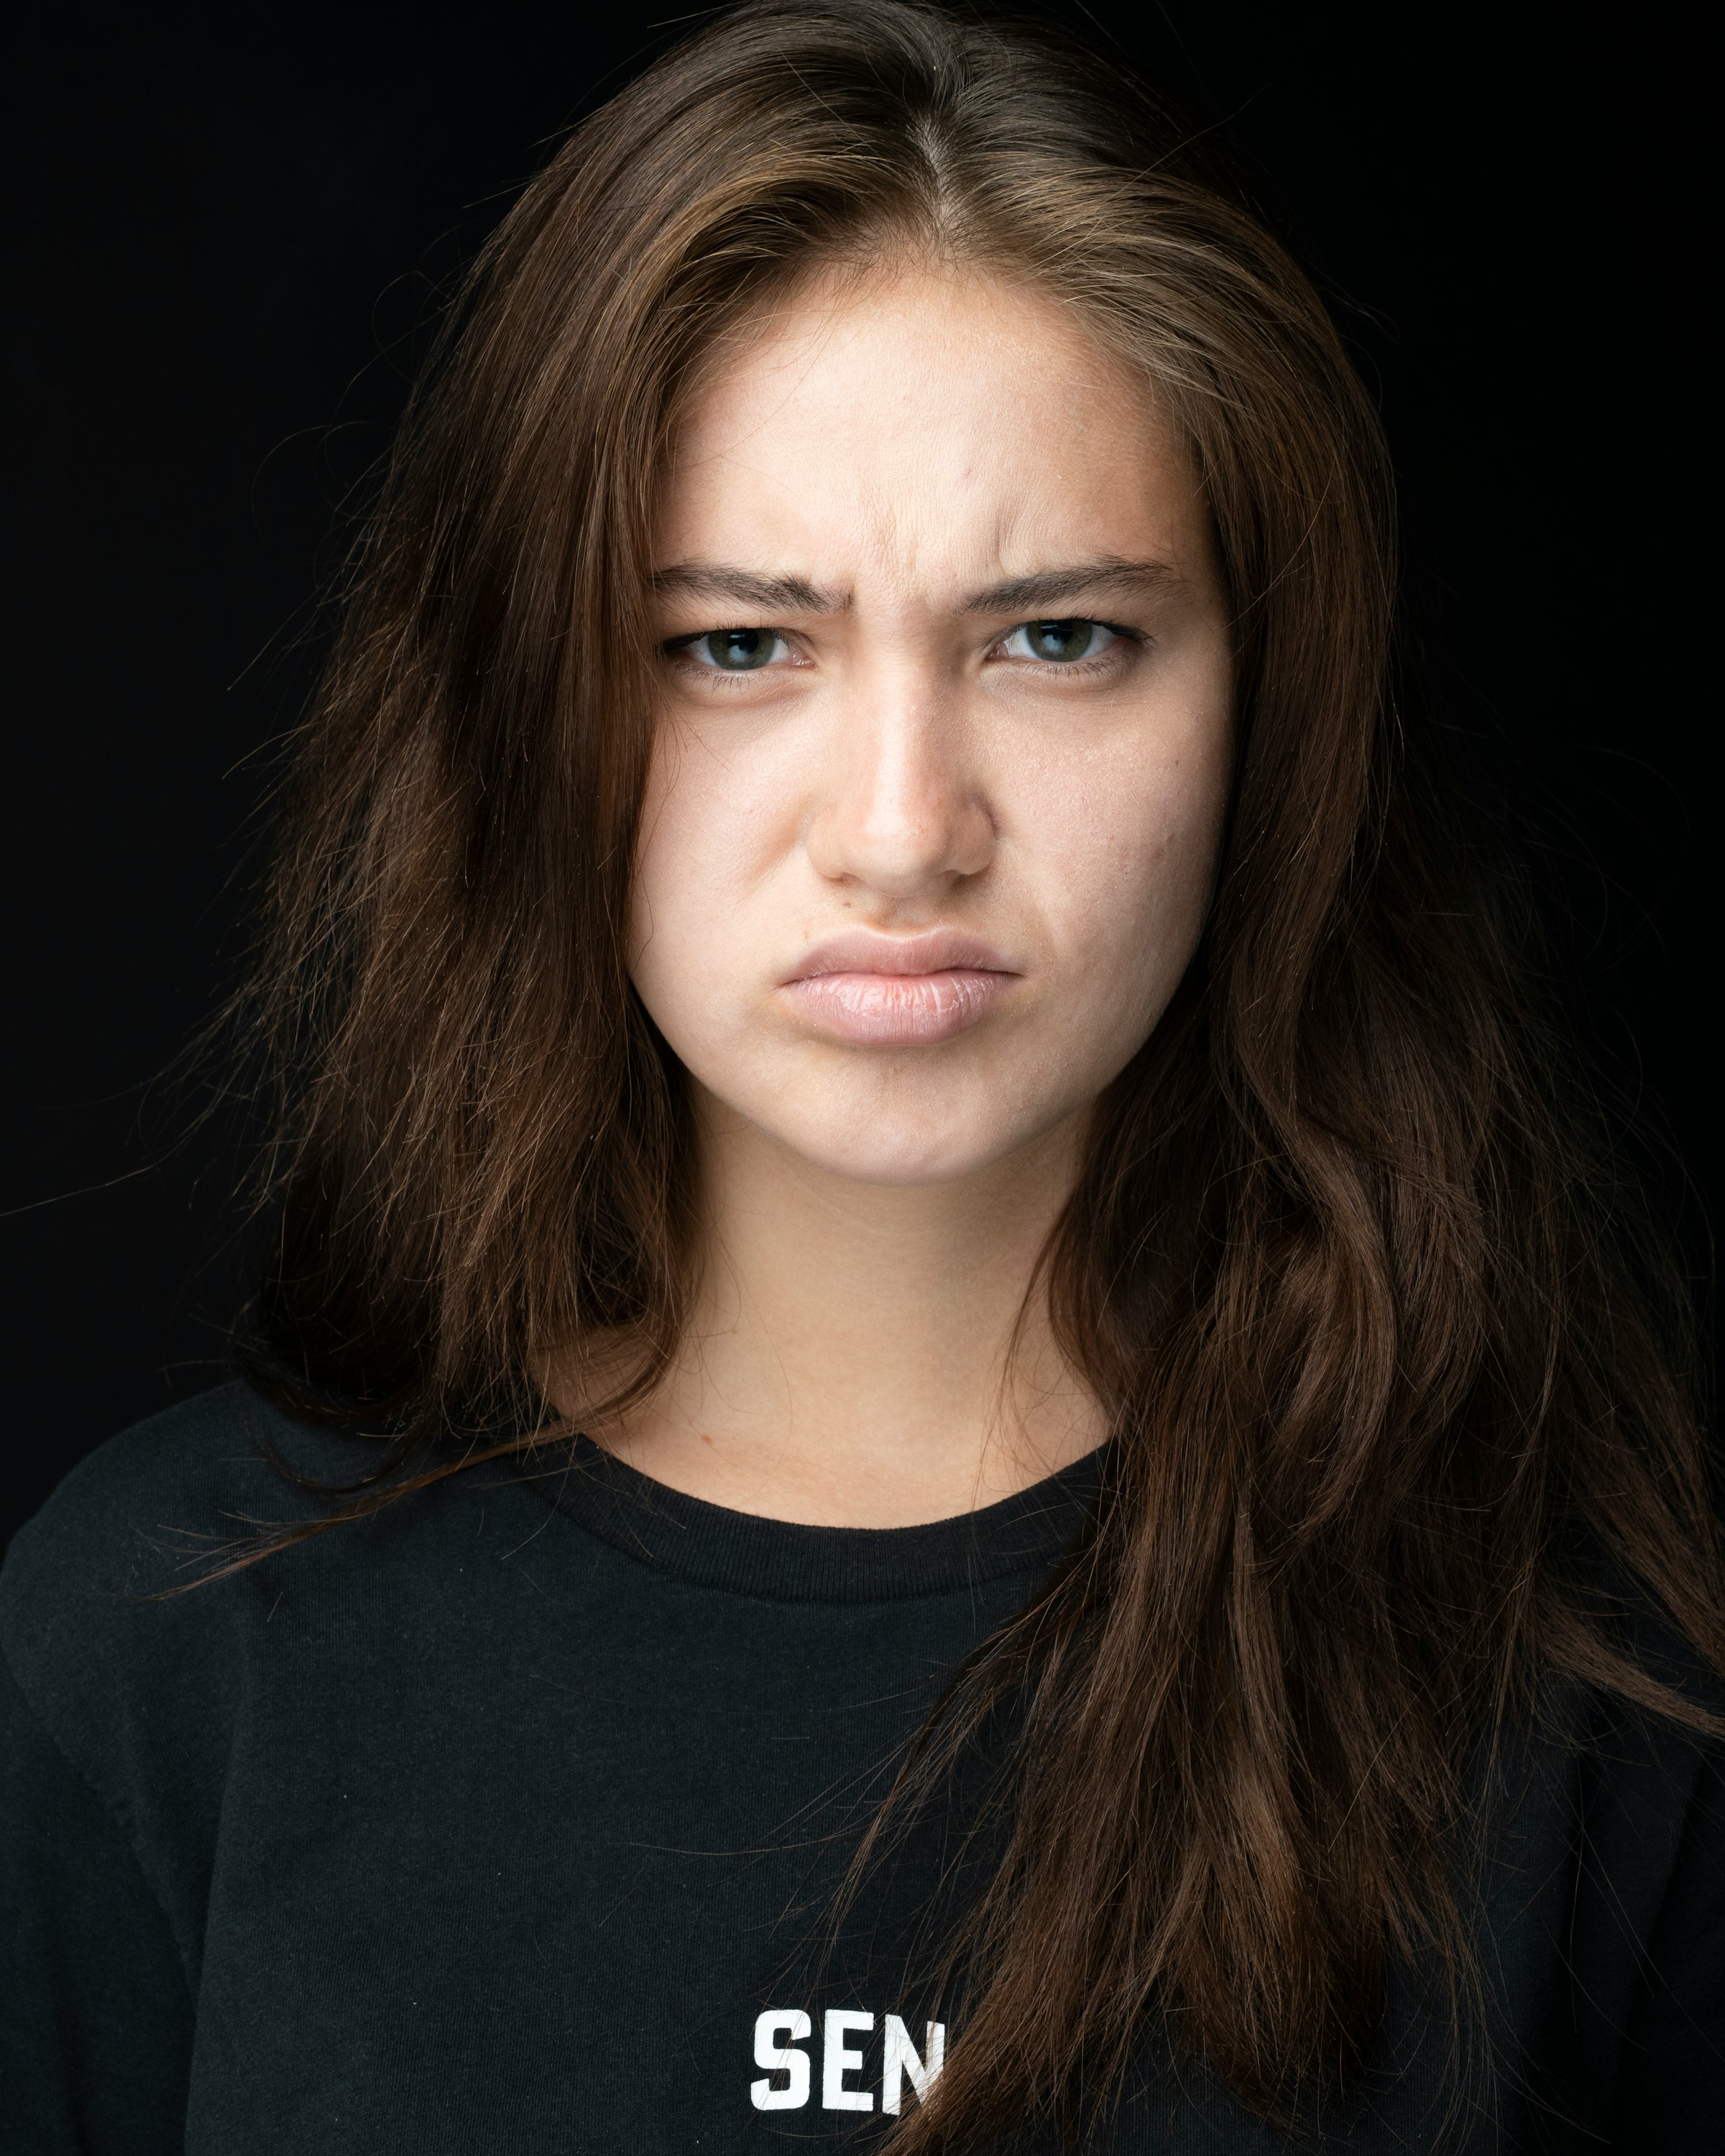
[(902, 1150)]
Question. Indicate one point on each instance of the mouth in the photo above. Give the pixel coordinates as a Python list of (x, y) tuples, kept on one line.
[(878, 991)]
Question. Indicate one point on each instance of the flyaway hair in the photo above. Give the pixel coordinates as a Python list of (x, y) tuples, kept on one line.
[(1405, 1442)]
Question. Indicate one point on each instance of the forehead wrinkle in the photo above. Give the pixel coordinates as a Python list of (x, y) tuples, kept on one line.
[(900, 534)]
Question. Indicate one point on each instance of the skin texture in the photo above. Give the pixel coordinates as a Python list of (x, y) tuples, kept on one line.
[(881, 457)]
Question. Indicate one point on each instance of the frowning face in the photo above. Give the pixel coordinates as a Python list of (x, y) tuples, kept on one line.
[(945, 730)]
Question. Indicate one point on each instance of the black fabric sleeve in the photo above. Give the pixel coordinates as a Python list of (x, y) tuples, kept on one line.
[(1670, 2091), (95, 2019)]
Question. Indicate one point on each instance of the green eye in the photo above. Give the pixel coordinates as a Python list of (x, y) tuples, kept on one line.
[(1059, 639), (736, 650)]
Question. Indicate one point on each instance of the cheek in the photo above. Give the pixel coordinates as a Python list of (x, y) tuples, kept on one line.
[(1129, 846), (659, 918), (697, 855)]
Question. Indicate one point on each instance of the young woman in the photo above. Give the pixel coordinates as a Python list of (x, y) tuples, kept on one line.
[(952, 1433)]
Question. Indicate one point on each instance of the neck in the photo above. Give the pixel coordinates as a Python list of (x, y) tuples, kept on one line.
[(861, 1354)]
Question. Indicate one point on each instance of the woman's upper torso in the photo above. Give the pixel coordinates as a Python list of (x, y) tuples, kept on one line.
[(500, 1823)]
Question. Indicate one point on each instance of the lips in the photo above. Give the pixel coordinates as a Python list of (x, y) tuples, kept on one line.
[(880, 991)]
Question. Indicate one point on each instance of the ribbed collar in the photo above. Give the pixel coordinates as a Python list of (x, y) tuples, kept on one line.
[(781, 1561)]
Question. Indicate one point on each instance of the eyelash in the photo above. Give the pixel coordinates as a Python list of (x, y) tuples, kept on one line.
[(1100, 665), (673, 648)]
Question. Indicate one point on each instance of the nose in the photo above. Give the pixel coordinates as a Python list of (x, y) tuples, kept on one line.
[(905, 812)]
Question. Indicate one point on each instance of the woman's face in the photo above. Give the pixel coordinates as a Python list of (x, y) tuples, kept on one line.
[(945, 727)]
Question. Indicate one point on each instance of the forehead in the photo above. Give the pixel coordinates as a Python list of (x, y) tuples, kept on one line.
[(929, 425)]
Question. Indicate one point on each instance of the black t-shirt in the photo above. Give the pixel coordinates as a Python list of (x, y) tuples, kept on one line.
[(511, 1821)]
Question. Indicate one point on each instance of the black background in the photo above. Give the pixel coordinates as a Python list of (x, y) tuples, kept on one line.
[(227, 233)]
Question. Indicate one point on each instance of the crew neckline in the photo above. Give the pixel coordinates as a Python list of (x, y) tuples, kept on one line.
[(711, 1546)]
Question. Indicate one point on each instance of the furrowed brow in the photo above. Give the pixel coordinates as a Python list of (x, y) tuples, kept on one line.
[(1045, 589), (767, 595)]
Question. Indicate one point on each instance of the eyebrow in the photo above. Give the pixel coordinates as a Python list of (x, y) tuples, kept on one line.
[(1042, 589), (1046, 588), (714, 580)]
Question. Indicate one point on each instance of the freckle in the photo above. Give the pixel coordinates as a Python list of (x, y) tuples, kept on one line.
[(704, 1438)]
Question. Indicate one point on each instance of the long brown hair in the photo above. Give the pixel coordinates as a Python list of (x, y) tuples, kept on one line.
[(1401, 1413)]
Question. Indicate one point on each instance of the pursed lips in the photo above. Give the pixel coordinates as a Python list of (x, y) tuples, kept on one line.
[(878, 991)]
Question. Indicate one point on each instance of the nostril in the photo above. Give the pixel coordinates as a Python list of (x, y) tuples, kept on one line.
[(899, 852)]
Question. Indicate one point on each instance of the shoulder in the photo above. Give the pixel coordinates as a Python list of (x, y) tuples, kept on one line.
[(1644, 1774), (135, 1516), (90, 1622), (1634, 1787)]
